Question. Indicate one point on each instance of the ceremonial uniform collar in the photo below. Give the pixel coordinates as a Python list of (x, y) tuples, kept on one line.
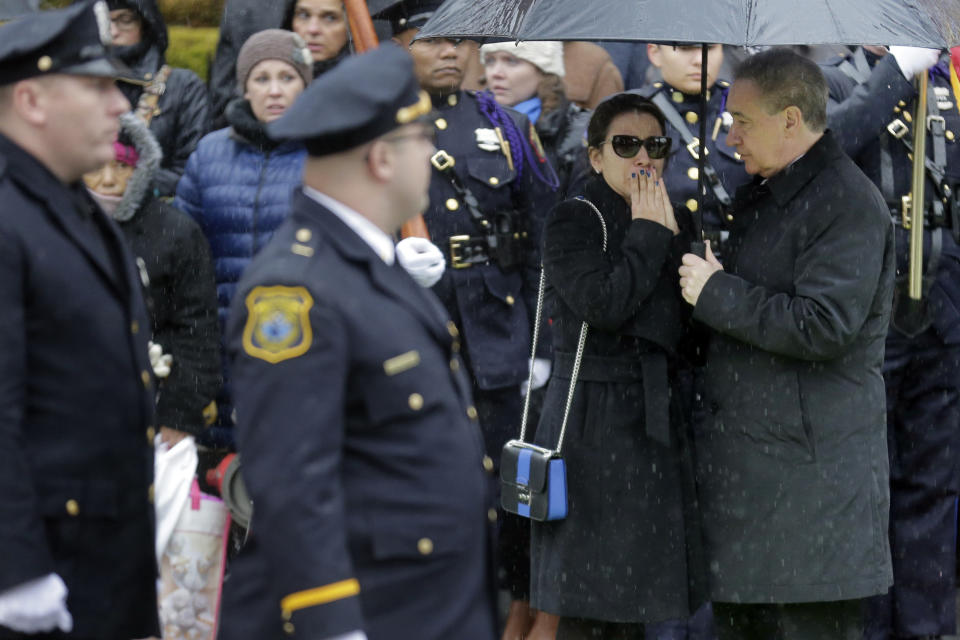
[(380, 242), (446, 100)]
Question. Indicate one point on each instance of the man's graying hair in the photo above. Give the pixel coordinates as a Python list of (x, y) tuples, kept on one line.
[(785, 79)]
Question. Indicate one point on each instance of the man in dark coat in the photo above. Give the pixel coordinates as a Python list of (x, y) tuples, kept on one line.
[(180, 116), (921, 364), (792, 465), (361, 447), (76, 392)]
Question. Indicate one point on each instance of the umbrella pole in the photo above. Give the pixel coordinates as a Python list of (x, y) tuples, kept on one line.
[(697, 246), (364, 39)]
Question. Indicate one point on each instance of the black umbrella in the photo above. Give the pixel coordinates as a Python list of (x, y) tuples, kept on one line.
[(920, 23)]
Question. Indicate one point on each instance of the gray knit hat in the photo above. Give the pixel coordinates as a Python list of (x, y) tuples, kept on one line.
[(274, 44)]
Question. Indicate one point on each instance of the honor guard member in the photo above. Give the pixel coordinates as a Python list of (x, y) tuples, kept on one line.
[(76, 389), (874, 113), (678, 96), (491, 188), (360, 442)]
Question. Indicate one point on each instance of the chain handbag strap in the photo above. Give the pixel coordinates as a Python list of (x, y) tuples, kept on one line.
[(580, 345)]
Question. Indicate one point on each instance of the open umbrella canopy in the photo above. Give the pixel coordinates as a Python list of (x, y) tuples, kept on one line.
[(920, 23)]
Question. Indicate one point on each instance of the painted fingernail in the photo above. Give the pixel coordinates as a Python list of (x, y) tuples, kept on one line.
[(633, 175)]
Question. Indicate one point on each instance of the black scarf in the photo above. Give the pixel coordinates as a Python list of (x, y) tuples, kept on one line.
[(246, 127)]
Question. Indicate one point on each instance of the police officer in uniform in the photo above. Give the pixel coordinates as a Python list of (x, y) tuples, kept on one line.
[(491, 188), (875, 116), (76, 391), (361, 447), (678, 96)]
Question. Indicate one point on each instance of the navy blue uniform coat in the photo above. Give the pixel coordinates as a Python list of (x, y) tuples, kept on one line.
[(76, 405), (362, 454)]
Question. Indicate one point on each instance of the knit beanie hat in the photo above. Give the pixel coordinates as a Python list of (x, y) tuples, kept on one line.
[(546, 55), (274, 44)]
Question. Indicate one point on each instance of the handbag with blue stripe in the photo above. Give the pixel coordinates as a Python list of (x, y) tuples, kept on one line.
[(533, 479)]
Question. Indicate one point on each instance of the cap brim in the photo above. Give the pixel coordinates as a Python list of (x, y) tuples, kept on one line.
[(104, 68)]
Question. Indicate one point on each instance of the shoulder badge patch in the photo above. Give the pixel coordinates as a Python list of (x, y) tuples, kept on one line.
[(278, 323), (537, 145)]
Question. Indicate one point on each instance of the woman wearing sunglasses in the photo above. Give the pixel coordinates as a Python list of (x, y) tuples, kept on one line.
[(627, 552)]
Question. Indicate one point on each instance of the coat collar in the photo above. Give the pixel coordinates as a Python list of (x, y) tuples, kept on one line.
[(786, 184), (66, 204), (392, 281)]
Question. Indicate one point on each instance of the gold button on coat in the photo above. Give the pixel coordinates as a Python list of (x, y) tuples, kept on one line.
[(487, 464), (288, 628), (134, 327), (73, 507), (494, 180), (677, 96), (509, 300), (693, 173), (415, 401), (150, 494), (44, 63), (949, 135), (452, 204), (729, 217), (304, 235), (441, 123), (425, 546), (692, 204), (452, 100), (454, 365), (145, 376), (691, 117), (472, 412), (151, 434), (452, 329), (492, 515)]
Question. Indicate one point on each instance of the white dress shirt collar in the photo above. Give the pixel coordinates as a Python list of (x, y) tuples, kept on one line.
[(380, 242)]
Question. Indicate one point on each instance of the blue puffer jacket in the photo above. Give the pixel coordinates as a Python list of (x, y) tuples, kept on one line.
[(237, 186)]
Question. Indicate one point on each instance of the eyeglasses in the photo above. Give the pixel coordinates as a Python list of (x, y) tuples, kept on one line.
[(125, 21), (628, 146)]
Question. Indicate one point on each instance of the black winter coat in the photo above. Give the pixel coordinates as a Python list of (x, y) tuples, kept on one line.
[(792, 463), (182, 115), (563, 134), (629, 549), (182, 304)]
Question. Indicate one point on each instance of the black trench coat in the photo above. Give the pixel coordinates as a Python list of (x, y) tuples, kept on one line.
[(629, 546), (792, 465)]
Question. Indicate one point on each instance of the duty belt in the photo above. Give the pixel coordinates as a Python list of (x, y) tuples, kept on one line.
[(502, 241)]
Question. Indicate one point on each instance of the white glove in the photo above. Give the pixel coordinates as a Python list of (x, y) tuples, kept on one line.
[(913, 60), (541, 373), (353, 635), (422, 259), (159, 360), (37, 606)]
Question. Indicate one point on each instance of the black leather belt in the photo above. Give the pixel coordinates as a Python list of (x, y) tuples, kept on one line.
[(651, 368)]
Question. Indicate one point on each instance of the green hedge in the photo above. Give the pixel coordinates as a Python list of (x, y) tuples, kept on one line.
[(193, 13), (192, 48)]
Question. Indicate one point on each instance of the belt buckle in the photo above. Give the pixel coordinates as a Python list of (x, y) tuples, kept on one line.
[(456, 258), (442, 161), (694, 149), (939, 121), (897, 128)]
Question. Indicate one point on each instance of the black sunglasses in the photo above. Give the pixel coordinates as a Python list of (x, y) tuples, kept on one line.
[(628, 146)]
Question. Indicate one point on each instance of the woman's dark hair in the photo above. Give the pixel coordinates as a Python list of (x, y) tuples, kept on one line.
[(613, 106)]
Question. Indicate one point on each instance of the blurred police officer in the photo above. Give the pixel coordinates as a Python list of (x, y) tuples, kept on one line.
[(361, 447), (678, 96), (875, 119), (76, 393), (490, 189)]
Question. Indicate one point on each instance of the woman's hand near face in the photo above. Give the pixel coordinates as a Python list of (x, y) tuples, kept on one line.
[(649, 201)]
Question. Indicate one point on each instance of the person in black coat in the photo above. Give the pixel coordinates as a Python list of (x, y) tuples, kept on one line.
[(359, 439), (76, 392), (792, 461), (181, 115), (177, 272), (627, 552)]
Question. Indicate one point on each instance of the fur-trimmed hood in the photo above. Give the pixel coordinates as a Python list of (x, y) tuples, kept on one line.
[(140, 183)]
